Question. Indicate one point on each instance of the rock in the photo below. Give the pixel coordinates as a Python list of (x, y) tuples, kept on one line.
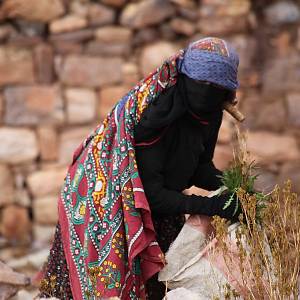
[(108, 97), (28, 105), (145, 36), (298, 39), (22, 197), (44, 61), (11, 281), (167, 32), (130, 74), (99, 15), (6, 185), (48, 142), (16, 66), (293, 105), (1, 108), (18, 145), (9, 276), (45, 210), (222, 26), (111, 41), (282, 12), (46, 182), (79, 8), (22, 41), (68, 23), (69, 141), (222, 156), (15, 232), (115, 3), (188, 13), (72, 38), (146, 13), (152, 56), (229, 8), (291, 171), (267, 147), (246, 48), (43, 234), (6, 31), (7, 291), (44, 11), (113, 34), (283, 70), (271, 116), (182, 26), (184, 3), (227, 17), (90, 71), (266, 181), (63, 48), (283, 43), (81, 105), (35, 260), (107, 49)]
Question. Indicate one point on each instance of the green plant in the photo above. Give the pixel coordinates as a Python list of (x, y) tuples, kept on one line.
[(241, 174)]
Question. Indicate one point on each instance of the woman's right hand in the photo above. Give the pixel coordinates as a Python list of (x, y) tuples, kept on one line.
[(224, 209)]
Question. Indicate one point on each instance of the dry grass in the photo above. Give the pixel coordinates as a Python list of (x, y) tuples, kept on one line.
[(268, 238)]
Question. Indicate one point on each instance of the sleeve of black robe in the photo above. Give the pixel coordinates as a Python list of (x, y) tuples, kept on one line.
[(162, 200)]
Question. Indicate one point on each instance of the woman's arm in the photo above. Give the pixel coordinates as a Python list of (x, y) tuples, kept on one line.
[(164, 201)]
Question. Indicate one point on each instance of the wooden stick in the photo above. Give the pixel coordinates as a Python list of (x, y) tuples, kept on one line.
[(234, 112)]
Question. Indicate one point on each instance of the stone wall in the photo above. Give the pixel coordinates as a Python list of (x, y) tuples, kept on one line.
[(64, 64)]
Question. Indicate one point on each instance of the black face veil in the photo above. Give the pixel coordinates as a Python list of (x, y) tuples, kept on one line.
[(187, 96)]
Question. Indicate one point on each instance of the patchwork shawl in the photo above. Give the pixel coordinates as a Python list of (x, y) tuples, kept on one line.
[(107, 231)]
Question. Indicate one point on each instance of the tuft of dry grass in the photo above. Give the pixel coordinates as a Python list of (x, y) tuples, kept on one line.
[(267, 239)]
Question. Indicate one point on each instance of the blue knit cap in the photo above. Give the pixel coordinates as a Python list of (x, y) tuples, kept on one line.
[(211, 59)]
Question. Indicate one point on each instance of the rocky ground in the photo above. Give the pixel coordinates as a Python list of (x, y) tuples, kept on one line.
[(64, 63)]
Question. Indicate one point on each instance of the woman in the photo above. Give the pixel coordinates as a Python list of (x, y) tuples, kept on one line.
[(130, 173)]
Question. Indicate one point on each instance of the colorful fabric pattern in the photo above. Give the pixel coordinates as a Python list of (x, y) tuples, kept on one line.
[(106, 227)]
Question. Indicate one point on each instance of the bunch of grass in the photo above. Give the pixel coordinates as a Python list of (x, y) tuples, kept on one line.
[(241, 175), (267, 239)]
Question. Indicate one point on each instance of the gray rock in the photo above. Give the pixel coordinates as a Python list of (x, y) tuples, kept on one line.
[(282, 12)]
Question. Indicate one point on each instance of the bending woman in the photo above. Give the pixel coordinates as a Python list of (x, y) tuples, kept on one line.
[(122, 203)]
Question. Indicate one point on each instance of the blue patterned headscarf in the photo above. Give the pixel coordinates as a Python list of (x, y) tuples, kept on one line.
[(211, 59)]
